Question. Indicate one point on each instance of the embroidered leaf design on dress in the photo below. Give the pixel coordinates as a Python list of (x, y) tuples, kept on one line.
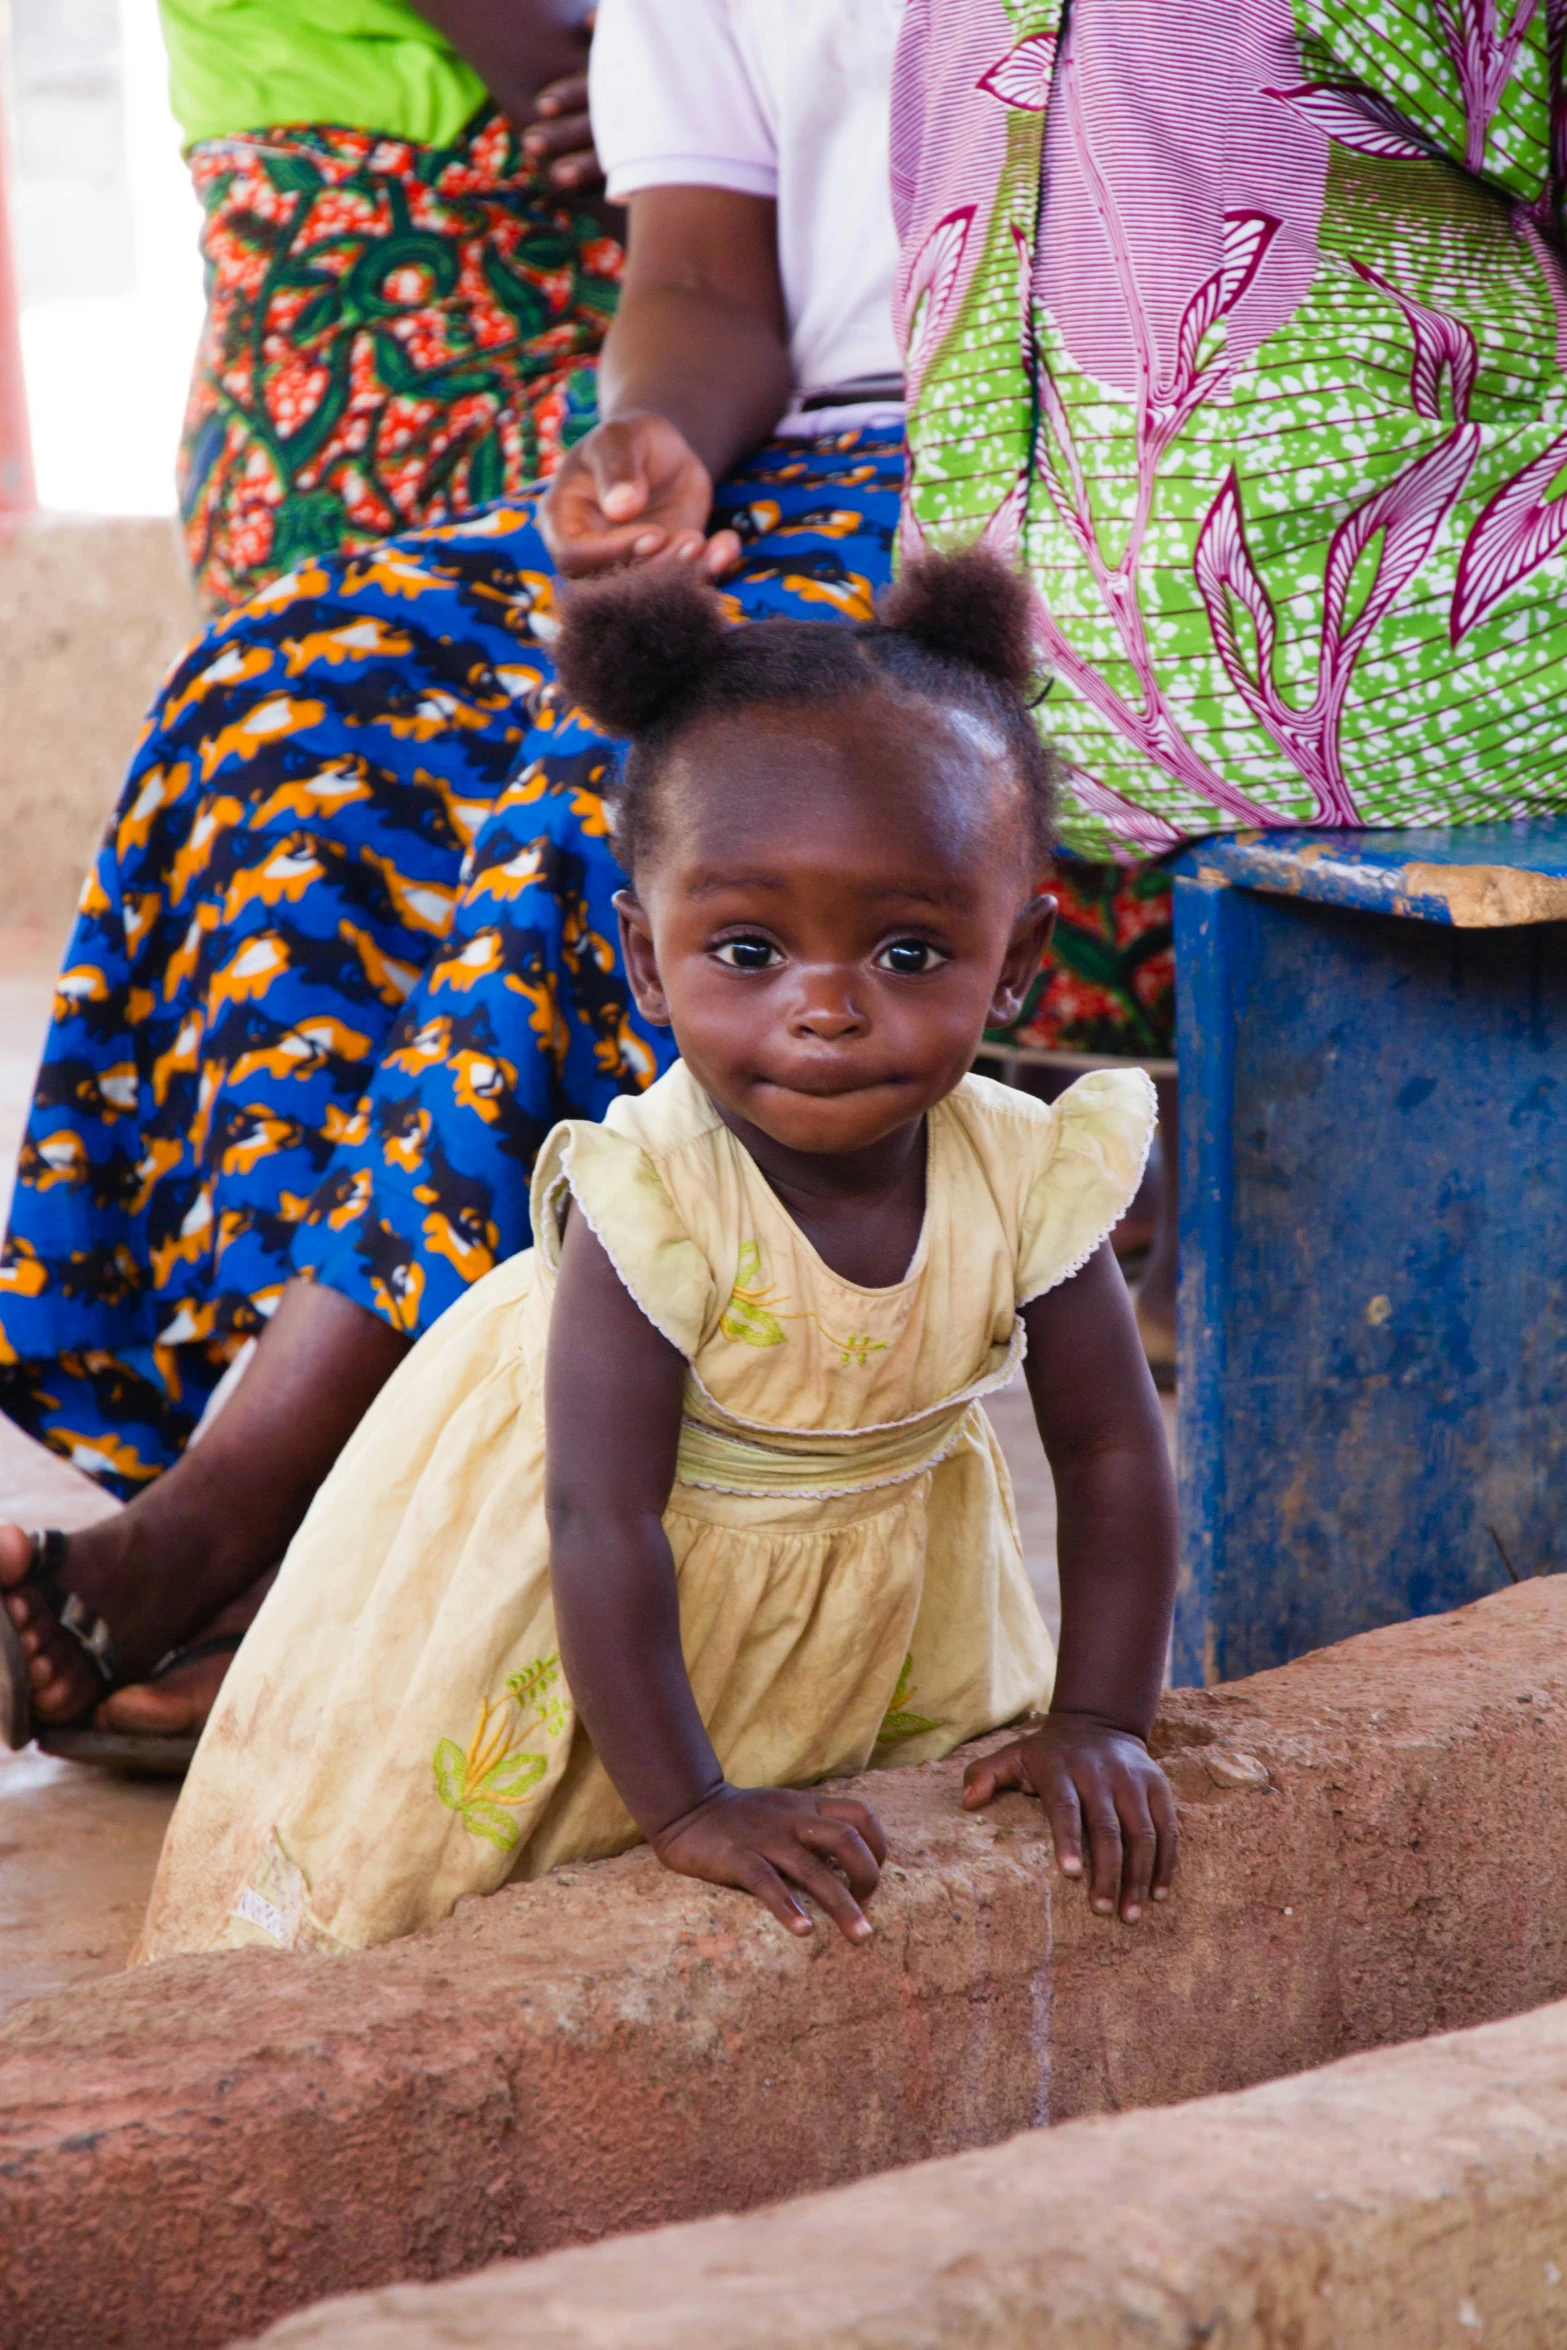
[(498, 1768), (482, 1818), (898, 1721), (512, 1776), (450, 1773), (757, 1311), (534, 1679), (749, 1317)]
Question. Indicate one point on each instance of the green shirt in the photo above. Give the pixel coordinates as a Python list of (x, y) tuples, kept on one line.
[(375, 65)]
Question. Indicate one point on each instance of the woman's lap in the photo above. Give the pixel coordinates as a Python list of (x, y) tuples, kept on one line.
[(395, 335), (347, 954)]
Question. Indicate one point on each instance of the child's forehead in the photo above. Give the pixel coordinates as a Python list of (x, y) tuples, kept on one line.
[(913, 771)]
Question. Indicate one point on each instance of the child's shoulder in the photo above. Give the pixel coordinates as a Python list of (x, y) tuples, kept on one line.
[(672, 1114), (1111, 1101), (1062, 1173)]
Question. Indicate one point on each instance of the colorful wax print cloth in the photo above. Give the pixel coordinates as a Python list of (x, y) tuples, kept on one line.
[(852, 1587), (347, 954), (1242, 328), (396, 334), (243, 65), (1108, 983)]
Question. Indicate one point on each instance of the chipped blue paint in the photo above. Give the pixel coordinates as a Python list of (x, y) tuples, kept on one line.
[(1373, 1394), (1371, 871)]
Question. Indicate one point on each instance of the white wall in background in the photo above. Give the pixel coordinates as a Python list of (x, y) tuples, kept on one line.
[(107, 372), (70, 204)]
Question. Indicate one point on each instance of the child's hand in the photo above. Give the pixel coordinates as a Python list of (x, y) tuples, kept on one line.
[(1089, 1774), (759, 1837)]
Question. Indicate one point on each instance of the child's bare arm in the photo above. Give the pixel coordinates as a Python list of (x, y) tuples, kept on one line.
[(1102, 1429), (613, 1395)]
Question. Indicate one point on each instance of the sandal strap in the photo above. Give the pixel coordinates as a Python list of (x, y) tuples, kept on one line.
[(215, 1644), (73, 1615)]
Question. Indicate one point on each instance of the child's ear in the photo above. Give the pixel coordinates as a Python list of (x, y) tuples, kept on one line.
[(1025, 952), (636, 952)]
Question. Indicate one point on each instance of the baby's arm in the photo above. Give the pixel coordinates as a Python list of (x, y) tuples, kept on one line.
[(1102, 1429), (613, 1390)]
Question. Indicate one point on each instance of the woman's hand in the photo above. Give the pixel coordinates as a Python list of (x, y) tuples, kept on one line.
[(1092, 1776), (765, 1839), (630, 490), (560, 140)]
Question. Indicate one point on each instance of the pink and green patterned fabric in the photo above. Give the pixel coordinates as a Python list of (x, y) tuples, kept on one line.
[(1242, 326)]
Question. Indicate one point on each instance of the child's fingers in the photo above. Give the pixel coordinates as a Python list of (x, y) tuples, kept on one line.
[(724, 550), (1103, 1824), (754, 1874), (859, 1816), (824, 1885), (1064, 1811), (991, 1774), (1161, 1803), (1139, 1849), (842, 1844)]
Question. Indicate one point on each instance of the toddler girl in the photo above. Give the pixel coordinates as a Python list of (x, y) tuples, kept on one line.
[(694, 1504)]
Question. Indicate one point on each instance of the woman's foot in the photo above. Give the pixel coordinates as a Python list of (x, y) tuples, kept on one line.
[(191, 1547), (151, 1603), (177, 1703)]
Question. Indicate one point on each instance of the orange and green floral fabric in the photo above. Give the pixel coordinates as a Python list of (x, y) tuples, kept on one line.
[(396, 334)]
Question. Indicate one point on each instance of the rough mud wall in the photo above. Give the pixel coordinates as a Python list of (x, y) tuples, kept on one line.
[(1375, 1843)]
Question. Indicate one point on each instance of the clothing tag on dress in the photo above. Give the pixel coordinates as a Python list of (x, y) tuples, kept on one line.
[(276, 1898), (256, 1910)]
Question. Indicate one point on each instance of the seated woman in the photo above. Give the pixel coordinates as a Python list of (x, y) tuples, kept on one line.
[(1243, 331), (403, 305), (346, 955)]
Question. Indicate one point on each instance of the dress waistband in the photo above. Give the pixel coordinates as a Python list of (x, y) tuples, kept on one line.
[(725, 1455)]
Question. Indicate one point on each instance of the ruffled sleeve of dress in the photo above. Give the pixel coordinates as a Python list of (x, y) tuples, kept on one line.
[(1091, 1154), (614, 1183)]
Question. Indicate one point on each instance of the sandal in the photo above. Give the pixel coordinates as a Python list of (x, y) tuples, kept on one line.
[(88, 1630), (143, 1753)]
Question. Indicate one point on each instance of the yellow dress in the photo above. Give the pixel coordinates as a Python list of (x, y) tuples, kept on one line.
[(396, 1733)]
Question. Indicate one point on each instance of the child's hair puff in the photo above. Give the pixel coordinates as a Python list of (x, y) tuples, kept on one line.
[(648, 653), (967, 608), (627, 656)]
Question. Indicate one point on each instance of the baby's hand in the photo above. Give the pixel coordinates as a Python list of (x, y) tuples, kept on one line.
[(759, 1837), (1089, 1774)]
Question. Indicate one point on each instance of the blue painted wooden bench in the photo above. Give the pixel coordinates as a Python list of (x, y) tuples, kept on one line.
[(1373, 1352)]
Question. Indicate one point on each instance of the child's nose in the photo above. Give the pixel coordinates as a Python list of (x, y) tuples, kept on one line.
[(829, 1021)]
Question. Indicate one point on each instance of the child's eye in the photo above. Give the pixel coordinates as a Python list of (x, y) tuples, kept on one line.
[(747, 954), (910, 958)]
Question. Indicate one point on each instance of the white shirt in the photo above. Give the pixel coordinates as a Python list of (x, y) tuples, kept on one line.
[(780, 98)]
